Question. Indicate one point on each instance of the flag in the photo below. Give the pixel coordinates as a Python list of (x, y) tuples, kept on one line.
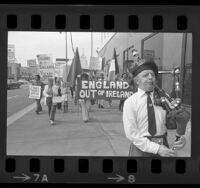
[(103, 64), (75, 69), (114, 68)]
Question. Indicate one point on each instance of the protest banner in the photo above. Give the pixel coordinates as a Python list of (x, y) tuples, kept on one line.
[(46, 67), (95, 63), (58, 69), (46, 72), (44, 60), (89, 89), (31, 63), (34, 92)]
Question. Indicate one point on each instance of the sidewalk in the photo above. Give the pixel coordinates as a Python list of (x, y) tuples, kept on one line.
[(103, 135)]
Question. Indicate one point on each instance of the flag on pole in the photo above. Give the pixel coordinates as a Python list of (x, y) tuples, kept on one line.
[(75, 69), (114, 68)]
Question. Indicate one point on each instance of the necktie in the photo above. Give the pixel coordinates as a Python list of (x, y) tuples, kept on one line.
[(151, 115)]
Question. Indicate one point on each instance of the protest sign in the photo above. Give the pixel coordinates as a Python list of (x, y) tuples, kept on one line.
[(34, 92), (103, 89), (31, 63), (46, 72), (44, 60), (58, 69), (46, 67), (57, 99), (95, 63)]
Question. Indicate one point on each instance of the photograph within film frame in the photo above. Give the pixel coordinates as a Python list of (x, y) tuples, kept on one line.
[(94, 50)]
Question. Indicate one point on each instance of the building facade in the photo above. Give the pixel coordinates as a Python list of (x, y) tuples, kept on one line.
[(168, 50), (13, 71)]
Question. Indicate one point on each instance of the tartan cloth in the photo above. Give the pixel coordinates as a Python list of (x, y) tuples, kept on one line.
[(136, 152)]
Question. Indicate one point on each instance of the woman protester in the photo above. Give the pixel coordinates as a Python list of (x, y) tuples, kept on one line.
[(51, 92), (48, 93)]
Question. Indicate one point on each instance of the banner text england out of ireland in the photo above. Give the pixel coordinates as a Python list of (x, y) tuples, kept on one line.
[(89, 89)]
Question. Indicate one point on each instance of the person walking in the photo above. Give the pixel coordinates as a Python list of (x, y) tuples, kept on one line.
[(100, 102), (85, 103), (51, 92), (64, 92), (38, 82), (48, 93), (72, 91), (58, 83), (121, 101)]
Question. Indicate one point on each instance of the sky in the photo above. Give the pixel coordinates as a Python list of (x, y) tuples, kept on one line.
[(29, 44)]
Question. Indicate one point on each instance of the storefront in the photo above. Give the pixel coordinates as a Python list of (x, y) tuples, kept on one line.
[(168, 50), (171, 50)]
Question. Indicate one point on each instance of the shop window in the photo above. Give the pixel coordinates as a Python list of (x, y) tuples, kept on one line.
[(187, 67), (170, 50)]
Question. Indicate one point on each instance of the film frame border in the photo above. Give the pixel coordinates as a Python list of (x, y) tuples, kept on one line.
[(107, 19)]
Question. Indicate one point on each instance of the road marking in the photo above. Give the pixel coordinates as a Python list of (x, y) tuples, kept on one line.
[(12, 97), (21, 113)]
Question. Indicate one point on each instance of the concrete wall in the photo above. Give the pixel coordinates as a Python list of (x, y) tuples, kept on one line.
[(155, 44), (122, 41), (167, 48)]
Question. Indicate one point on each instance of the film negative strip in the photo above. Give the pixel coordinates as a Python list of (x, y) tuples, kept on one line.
[(76, 106)]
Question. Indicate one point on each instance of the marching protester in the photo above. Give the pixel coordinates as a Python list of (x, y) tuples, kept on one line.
[(57, 82), (64, 92), (38, 82), (48, 93), (85, 103), (128, 75), (100, 101), (136, 59), (72, 91), (124, 77), (51, 92), (146, 123)]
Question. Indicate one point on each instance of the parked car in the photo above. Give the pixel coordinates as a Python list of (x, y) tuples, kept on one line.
[(13, 84), (23, 81)]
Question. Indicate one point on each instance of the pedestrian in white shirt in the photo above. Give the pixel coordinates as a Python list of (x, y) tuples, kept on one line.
[(48, 93), (51, 93), (144, 122), (64, 92), (85, 103)]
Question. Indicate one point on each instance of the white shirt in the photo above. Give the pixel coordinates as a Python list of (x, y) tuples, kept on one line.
[(45, 91), (64, 92), (135, 121)]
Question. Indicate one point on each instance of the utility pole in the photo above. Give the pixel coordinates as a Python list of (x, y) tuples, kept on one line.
[(67, 70), (66, 44)]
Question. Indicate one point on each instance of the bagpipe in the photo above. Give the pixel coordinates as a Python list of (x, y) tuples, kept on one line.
[(175, 111)]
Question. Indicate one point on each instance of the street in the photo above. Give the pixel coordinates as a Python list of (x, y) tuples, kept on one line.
[(17, 99)]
